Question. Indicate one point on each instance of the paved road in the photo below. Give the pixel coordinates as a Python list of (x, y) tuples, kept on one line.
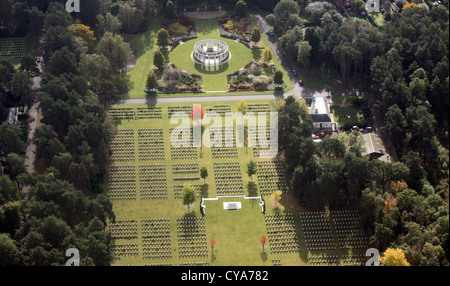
[(33, 113)]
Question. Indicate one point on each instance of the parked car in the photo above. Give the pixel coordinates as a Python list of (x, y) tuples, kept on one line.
[(300, 82), (294, 72), (315, 137), (271, 33)]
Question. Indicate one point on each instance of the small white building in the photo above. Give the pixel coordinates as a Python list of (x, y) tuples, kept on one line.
[(320, 114)]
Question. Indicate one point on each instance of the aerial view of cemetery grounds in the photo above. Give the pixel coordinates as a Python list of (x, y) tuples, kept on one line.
[(224, 133), (147, 176)]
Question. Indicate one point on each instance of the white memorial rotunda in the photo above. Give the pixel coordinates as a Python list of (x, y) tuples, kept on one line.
[(211, 53)]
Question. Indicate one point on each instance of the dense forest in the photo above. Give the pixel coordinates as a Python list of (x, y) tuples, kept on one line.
[(404, 204)]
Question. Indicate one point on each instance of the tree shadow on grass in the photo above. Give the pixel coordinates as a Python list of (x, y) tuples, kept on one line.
[(252, 188), (264, 256), (204, 190)]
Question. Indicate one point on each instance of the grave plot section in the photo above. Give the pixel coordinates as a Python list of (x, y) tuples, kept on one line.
[(354, 260), (228, 179), (185, 109), (122, 183), (156, 243), (194, 263), (159, 264), (182, 152), (281, 233), (13, 47), (121, 113), (125, 249), (226, 135), (276, 262), (348, 231), (262, 107), (185, 171), (271, 177), (259, 150), (323, 260), (221, 109), (151, 144), (124, 229), (153, 182), (149, 112), (179, 188), (122, 146), (317, 231), (191, 235)]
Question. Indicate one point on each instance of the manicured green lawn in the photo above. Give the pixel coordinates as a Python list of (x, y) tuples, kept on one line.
[(214, 79), (340, 112), (237, 232), (379, 19)]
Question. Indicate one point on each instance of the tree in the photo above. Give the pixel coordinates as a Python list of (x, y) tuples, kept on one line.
[(162, 38), (108, 23), (10, 140), (256, 35), (84, 32), (289, 41), (395, 127), (115, 50), (152, 81), (316, 10), (278, 77), (203, 173), (360, 4), (21, 87), (393, 257), (28, 64), (130, 16), (158, 59), (263, 241), (242, 107), (9, 254), (285, 16), (266, 55), (304, 50), (240, 9), (277, 196), (170, 10), (251, 169), (188, 194)]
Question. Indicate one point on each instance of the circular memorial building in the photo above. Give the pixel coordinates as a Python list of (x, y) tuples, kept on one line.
[(211, 53)]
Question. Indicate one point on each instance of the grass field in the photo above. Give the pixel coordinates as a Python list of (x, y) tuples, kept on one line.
[(237, 232), (340, 112), (214, 80)]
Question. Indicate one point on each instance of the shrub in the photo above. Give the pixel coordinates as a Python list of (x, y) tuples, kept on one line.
[(235, 81), (171, 74), (177, 29)]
